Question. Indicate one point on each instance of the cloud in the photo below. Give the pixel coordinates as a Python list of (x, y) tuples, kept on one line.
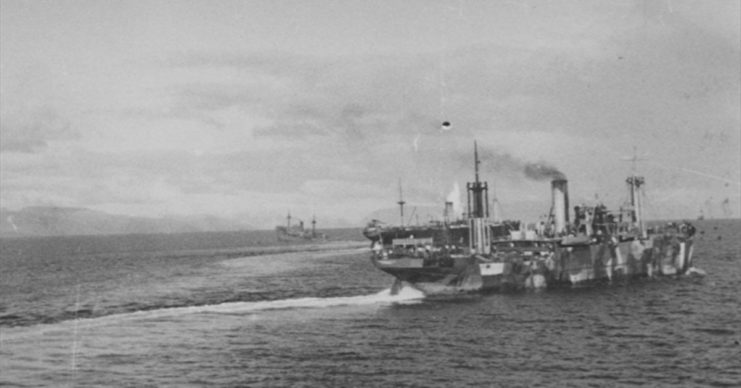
[(292, 131), (617, 82), (273, 63), (575, 92), (30, 131), (350, 98)]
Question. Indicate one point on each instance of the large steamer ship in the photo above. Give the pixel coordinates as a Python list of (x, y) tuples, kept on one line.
[(475, 253)]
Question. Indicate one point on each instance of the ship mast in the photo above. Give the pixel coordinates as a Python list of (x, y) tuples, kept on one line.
[(635, 190), (478, 196), (401, 204), (478, 211)]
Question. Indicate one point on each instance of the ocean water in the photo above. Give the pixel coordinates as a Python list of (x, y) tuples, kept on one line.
[(234, 310)]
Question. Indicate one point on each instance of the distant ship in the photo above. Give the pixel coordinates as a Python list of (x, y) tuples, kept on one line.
[(478, 254), (297, 232)]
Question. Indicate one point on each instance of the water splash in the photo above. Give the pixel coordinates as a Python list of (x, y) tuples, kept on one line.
[(694, 271)]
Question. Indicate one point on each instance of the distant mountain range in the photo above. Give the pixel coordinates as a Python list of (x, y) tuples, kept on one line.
[(68, 221), (65, 221)]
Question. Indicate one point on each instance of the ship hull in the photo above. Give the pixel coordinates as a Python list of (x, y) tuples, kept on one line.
[(294, 234), (560, 265)]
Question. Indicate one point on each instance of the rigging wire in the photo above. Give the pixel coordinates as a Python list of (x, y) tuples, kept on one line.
[(668, 167)]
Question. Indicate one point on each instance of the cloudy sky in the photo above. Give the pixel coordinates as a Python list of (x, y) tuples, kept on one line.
[(252, 108)]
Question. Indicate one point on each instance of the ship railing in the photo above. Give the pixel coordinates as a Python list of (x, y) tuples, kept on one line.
[(416, 247), (411, 242), (683, 230)]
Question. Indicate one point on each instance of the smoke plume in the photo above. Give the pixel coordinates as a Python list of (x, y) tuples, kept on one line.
[(542, 171), (455, 198), (506, 163)]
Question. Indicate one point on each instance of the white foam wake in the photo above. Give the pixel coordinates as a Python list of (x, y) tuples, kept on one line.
[(406, 295), (695, 271)]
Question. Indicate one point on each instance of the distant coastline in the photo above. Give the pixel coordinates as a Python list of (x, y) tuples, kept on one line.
[(69, 221)]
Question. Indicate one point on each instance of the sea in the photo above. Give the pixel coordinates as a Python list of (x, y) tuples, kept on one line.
[(240, 309)]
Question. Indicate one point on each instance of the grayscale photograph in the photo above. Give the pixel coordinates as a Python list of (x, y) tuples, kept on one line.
[(378, 193)]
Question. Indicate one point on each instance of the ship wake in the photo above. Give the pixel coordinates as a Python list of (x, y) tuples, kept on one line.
[(406, 295)]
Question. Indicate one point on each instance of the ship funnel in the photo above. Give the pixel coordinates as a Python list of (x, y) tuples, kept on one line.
[(479, 238), (478, 197), (560, 204), (448, 213), (635, 184)]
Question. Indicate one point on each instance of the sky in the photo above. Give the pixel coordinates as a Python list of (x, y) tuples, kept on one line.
[(251, 109)]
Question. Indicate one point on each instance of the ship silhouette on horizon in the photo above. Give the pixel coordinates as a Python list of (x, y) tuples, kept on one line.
[(297, 232)]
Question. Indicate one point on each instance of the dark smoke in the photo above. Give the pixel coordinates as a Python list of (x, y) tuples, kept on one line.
[(506, 163), (542, 171)]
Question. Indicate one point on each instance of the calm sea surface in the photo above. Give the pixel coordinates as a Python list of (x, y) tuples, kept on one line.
[(227, 309)]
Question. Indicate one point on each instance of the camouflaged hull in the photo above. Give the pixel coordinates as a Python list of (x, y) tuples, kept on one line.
[(537, 263)]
